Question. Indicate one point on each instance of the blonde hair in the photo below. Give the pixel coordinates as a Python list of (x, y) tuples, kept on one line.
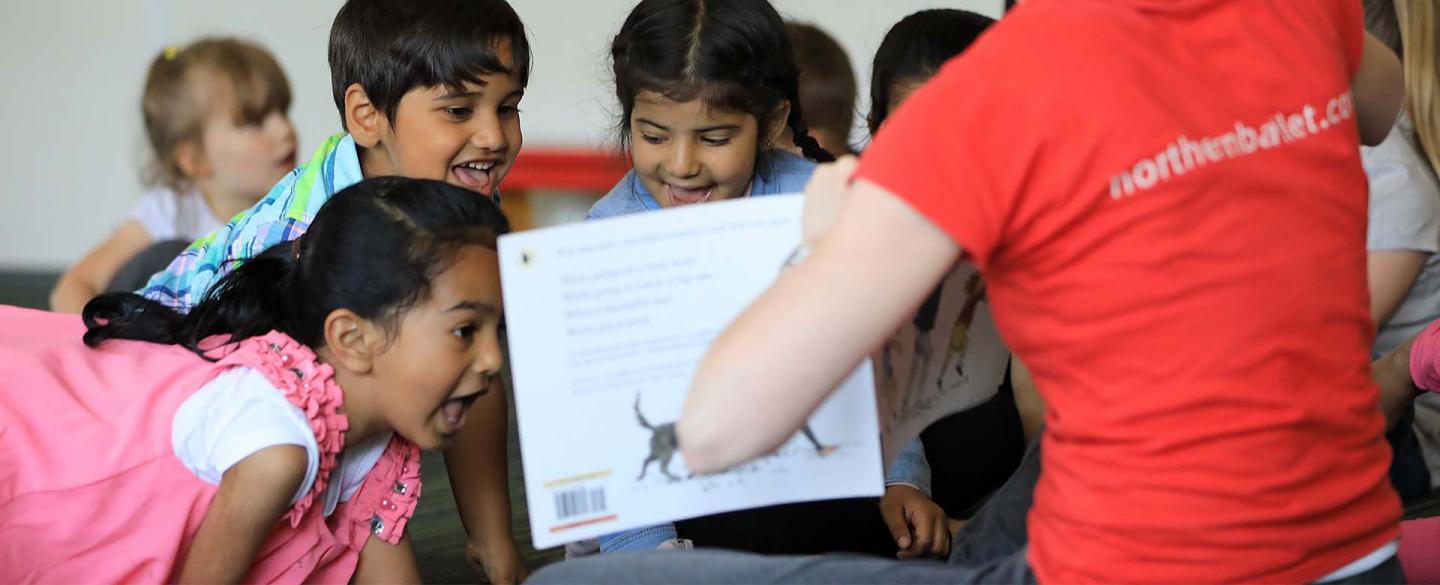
[(1419, 44), (180, 91)]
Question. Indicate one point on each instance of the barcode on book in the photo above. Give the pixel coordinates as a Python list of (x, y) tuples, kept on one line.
[(579, 502)]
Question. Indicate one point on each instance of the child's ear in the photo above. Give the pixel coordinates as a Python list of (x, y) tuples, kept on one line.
[(775, 125), (366, 123), (353, 341), (191, 160)]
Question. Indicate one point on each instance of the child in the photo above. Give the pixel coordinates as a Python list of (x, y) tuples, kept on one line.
[(827, 86), (269, 433), (425, 90), (215, 117), (913, 51), (984, 443), (1404, 233), (707, 91), (1210, 417)]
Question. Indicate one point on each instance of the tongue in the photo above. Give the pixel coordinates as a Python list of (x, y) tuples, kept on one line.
[(682, 196), (454, 409), (474, 180)]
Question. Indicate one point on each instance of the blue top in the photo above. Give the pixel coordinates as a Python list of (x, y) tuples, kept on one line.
[(788, 173)]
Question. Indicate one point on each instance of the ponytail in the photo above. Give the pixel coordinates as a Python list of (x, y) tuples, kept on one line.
[(250, 301), (373, 249), (800, 132)]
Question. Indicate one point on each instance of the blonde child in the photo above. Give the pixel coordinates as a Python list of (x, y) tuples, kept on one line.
[(1403, 265), (273, 433), (219, 136)]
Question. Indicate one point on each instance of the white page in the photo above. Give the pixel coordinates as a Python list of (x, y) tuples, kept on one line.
[(965, 365), (604, 314)]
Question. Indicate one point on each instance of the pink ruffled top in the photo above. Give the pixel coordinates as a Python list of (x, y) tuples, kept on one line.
[(91, 489)]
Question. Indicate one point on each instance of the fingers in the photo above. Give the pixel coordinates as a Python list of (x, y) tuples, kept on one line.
[(894, 515), (824, 194), (941, 547), (923, 522)]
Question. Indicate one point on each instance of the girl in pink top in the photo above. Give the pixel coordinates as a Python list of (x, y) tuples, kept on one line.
[(270, 433)]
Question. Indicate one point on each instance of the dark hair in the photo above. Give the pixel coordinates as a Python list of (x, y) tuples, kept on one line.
[(914, 50), (827, 83), (180, 91), (390, 47), (733, 54), (1382, 21), (374, 249)]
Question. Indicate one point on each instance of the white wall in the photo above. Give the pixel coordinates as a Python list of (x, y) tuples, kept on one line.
[(73, 70)]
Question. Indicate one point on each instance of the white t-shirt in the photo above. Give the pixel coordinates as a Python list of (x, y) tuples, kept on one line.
[(168, 215), (1404, 215), (240, 412)]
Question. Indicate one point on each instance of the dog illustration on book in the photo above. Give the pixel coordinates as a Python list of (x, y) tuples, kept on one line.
[(663, 444)]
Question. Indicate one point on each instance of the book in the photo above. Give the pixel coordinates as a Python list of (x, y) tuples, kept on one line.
[(947, 359), (607, 322)]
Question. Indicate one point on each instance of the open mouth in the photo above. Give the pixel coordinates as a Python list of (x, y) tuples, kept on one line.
[(455, 409), (688, 195), (476, 176)]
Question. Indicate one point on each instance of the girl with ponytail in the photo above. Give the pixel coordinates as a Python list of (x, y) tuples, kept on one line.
[(709, 95), (708, 92), (273, 432)]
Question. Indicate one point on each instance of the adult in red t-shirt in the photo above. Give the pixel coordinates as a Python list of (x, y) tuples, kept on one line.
[(1166, 201)]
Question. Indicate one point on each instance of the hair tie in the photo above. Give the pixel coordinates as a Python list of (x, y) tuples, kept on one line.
[(170, 52)]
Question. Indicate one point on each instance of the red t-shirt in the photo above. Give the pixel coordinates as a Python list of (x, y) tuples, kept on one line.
[(1166, 201)]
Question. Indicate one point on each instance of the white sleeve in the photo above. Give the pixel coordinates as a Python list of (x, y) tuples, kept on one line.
[(1404, 196), (234, 415), (156, 213)]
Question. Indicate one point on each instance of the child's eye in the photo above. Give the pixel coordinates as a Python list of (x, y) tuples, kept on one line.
[(509, 111), (709, 141), (458, 113), (651, 138), (464, 332)]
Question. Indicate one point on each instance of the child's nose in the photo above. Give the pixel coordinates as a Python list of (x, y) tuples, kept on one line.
[(682, 161), (489, 358), (489, 134)]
